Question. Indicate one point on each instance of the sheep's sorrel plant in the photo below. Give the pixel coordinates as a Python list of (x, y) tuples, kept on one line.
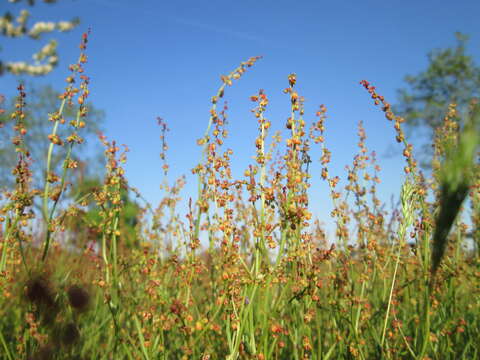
[(251, 273)]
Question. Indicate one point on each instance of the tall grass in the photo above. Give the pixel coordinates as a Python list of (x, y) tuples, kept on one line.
[(266, 283)]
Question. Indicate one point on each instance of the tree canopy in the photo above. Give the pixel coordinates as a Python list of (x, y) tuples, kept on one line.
[(452, 76)]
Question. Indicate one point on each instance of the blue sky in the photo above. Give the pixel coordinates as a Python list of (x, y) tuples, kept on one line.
[(165, 58)]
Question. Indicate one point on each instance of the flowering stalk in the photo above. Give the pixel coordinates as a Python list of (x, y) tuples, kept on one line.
[(205, 141), (73, 139), (22, 198)]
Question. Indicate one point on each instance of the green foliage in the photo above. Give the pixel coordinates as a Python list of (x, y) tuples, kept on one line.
[(456, 178), (452, 76)]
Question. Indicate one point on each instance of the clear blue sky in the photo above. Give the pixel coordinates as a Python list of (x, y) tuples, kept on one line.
[(164, 58)]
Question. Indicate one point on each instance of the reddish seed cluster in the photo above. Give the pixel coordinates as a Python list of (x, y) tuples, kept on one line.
[(386, 108), (163, 154), (19, 116), (262, 101), (234, 296)]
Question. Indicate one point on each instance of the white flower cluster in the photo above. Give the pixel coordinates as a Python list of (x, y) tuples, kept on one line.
[(45, 27), (10, 30), (49, 52), (21, 67), (63, 26), (41, 27)]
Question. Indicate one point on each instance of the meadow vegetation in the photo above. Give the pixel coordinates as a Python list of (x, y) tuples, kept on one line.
[(248, 273)]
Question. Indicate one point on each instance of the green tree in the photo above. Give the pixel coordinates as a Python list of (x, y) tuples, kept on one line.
[(16, 26), (451, 77)]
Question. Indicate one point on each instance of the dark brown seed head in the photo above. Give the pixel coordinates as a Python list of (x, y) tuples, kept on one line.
[(39, 292), (70, 334), (78, 297)]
